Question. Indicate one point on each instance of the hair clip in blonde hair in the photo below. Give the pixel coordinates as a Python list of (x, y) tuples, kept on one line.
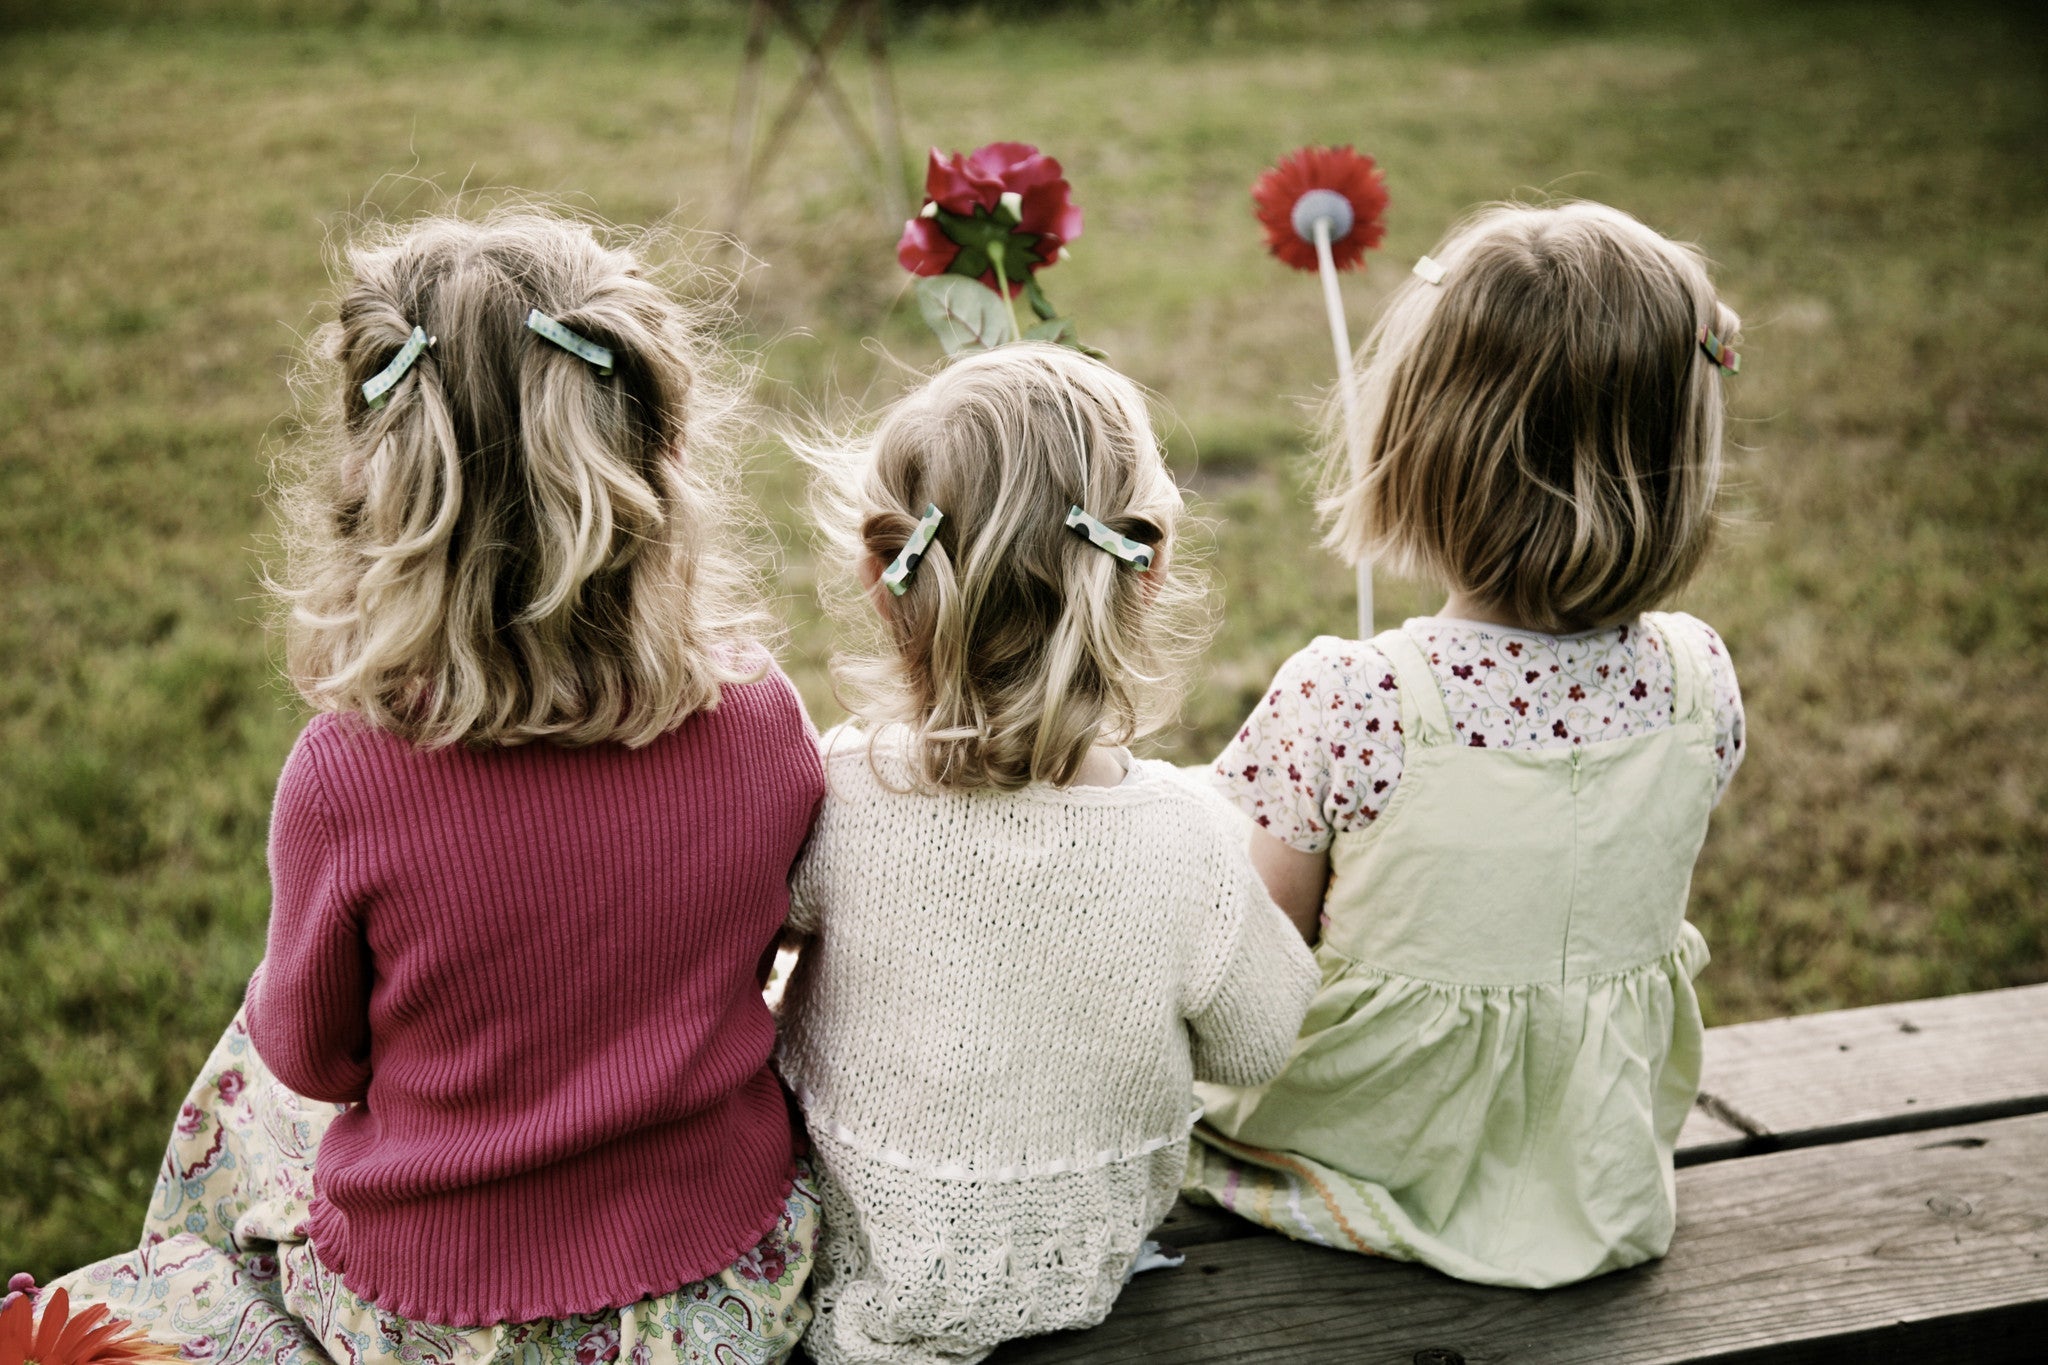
[(1721, 355), (896, 578), (1430, 270), (1102, 538), (581, 347), (378, 388)]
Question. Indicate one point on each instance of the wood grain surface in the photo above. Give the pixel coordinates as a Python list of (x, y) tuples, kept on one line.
[(1926, 1246), (1821, 1078)]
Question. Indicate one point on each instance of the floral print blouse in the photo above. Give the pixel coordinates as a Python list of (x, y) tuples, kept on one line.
[(1321, 753)]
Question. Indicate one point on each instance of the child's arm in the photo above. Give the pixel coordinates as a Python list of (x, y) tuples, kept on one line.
[(1319, 754), (1294, 879), (1730, 729), (310, 1015), (797, 930), (1244, 1031), (810, 878)]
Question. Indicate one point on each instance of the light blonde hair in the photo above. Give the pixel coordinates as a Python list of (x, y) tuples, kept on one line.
[(1017, 644), (1541, 430), (513, 547)]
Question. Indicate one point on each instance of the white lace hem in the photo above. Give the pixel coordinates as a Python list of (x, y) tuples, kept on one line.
[(822, 1124)]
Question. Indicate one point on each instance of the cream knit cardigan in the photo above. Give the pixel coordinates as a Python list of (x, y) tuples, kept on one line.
[(994, 1035)]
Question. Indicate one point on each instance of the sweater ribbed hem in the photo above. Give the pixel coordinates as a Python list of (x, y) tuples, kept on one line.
[(643, 1216), (328, 1232)]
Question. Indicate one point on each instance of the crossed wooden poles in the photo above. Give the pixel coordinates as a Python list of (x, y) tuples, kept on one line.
[(883, 164)]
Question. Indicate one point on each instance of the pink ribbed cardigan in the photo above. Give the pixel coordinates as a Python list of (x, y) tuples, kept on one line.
[(536, 974)]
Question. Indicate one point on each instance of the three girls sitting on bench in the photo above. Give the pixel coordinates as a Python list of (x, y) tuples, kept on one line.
[(531, 858)]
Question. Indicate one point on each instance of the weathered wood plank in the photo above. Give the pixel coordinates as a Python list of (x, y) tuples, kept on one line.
[(1707, 1138), (1820, 1078), (1929, 1246), (1191, 1225)]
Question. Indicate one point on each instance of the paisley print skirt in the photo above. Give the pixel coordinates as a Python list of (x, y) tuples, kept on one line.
[(226, 1274)]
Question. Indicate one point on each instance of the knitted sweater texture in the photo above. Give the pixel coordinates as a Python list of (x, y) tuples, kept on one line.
[(994, 1035), (535, 975)]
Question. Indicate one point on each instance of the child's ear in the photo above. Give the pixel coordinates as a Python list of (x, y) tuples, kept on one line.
[(870, 569), (1154, 578)]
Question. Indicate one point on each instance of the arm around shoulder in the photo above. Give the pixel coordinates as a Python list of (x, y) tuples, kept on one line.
[(1294, 879), (1244, 1031), (817, 870)]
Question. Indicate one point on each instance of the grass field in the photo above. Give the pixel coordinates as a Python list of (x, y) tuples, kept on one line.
[(1868, 177)]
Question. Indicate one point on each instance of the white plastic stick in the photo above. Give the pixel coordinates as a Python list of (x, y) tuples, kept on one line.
[(1340, 338)]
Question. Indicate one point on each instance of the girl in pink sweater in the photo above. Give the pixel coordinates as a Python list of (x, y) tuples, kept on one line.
[(529, 859)]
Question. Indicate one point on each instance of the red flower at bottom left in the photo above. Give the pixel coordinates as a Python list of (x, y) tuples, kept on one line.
[(93, 1337)]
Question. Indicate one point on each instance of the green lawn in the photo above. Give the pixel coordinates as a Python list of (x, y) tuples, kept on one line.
[(1869, 179)]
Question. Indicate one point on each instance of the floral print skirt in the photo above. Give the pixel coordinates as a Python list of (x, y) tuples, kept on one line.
[(226, 1274)]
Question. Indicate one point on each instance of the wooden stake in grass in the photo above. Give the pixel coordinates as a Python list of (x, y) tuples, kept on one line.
[(1321, 209)]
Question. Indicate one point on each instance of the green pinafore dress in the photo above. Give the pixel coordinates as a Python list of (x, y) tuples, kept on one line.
[(1506, 1041)]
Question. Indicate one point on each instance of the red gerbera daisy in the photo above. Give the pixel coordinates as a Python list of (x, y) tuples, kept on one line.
[(1339, 170), (94, 1337)]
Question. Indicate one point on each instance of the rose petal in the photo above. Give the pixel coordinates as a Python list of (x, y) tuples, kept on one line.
[(1050, 213), (1036, 169), (948, 184), (924, 248), (998, 158)]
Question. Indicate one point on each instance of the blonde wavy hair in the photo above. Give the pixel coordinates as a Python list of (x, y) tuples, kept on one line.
[(513, 547), (1017, 644), (1541, 430)]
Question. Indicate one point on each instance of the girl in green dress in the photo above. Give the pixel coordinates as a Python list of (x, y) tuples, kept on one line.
[(1486, 820)]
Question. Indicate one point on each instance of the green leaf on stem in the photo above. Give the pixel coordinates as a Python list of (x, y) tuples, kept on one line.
[(1059, 331), (1035, 296), (1062, 332), (965, 313)]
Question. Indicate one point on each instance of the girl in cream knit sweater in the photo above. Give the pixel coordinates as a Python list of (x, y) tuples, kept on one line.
[(1027, 944)]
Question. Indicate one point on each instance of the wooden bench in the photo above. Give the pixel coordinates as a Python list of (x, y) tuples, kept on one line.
[(1867, 1185)]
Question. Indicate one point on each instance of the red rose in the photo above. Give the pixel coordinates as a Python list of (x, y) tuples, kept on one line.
[(974, 187), (924, 248), (1047, 211)]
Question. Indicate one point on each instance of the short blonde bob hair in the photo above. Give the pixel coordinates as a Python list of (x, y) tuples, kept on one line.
[(1017, 643), (1541, 430), (513, 547)]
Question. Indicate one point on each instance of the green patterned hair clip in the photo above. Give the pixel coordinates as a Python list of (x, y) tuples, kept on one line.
[(1721, 355), (581, 347), (1102, 538), (377, 389), (896, 578)]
